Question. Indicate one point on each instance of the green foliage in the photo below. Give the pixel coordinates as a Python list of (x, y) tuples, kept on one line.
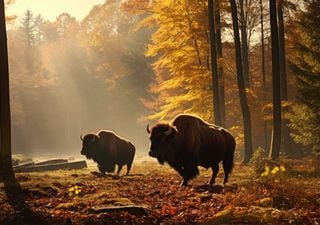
[(258, 160), (304, 64), (306, 125), (264, 167)]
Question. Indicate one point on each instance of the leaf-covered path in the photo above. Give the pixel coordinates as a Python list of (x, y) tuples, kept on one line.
[(152, 195)]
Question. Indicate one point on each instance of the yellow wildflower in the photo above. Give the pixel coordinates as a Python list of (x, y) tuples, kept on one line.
[(275, 170), (282, 168)]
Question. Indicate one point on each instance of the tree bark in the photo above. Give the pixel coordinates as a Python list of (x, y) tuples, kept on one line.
[(242, 92), (220, 67), (287, 140), (214, 66), (244, 45), (6, 170), (263, 71), (276, 133)]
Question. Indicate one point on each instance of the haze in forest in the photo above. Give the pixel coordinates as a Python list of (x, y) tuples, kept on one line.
[(71, 77), (123, 64), (51, 9)]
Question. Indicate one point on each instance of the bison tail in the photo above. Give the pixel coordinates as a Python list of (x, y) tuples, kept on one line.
[(130, 161), (228, 160), (228, 164)]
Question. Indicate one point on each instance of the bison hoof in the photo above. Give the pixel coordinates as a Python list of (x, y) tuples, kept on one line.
[(98, 174), (184, 183)]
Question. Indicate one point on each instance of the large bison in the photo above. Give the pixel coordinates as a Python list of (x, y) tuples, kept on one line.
[(188, 142), (108, 149)]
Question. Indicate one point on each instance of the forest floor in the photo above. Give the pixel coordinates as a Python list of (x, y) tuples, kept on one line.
[(152, 195)]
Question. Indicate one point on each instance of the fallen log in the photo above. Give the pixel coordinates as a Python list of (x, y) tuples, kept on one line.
[(132, 209), (52, 161), (55, 166), (27, 164)]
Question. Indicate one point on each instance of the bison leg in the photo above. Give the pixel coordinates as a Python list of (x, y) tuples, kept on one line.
[(226, 169), (128, 168), (119, 169), (182, 173), (188, 173), (215, 170), (184, 182), (102, 169)]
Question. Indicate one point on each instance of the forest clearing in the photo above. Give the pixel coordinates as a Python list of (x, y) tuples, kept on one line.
[(152, 195)]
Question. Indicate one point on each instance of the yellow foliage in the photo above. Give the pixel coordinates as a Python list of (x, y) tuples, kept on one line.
[(267, 171), (180, 49), (74, 191)]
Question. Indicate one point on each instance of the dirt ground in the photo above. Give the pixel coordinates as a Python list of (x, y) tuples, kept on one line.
[(152, 195)]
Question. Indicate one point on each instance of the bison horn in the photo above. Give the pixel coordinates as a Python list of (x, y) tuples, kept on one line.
[(168, 132), (148, 129), (81, 137)]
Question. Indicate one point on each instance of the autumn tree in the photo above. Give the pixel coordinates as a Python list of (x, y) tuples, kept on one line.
[(241, 85), (276, 133), (27, 35), (304, 64), (180, 47), (214, 64), (38, 32), (263, 69), (218, 28), (28, 29), (288, 145), (6, 170), (244, 43)]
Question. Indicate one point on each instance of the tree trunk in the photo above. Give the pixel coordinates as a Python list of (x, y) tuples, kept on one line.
[(6, 171), (287, 140), (214, 66), (263, 70), (241, 86), (276, 132), (244, 45), (220, 67)]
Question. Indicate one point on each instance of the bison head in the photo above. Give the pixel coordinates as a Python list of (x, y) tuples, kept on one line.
[(162, 141), (89, 145)]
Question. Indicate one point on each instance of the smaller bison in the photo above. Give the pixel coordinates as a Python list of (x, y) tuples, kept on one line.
[(188, 142), (108, 149)]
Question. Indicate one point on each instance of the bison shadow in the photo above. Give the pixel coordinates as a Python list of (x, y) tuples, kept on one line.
[(108, 175), (218, 189)]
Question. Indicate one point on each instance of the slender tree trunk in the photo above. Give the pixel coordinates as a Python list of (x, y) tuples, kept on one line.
[(282, 53), (244, 45), (214, 66), (195, 42), (276, 133), (287, 140), (6, 170), (263, 66), (242, 92), (220, 67)]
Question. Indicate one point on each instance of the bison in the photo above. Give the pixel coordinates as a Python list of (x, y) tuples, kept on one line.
[(188, 142), (108, 149)]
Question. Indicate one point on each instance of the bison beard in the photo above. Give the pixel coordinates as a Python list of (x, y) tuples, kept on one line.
[(107, 150), (188, 142)]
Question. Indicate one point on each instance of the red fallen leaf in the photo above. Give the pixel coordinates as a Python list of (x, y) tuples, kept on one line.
[(168, 210), (57, 212), (194, 211)]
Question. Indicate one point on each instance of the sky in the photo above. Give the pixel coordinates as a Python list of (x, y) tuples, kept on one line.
[(50, 9)]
